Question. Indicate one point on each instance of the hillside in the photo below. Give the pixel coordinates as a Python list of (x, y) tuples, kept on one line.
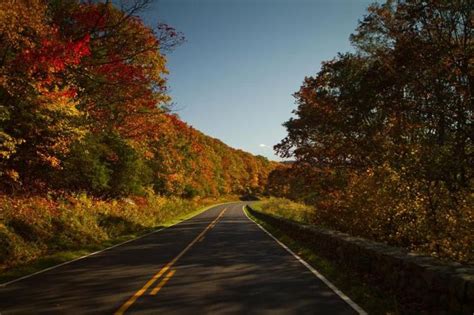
[(84, 108)]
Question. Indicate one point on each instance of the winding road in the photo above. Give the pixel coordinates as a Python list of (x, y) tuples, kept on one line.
[(218, 262)]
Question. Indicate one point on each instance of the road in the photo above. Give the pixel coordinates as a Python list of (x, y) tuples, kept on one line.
[(219, 262)]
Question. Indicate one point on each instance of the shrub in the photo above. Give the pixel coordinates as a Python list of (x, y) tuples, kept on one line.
[(31, 227), (105, 165)]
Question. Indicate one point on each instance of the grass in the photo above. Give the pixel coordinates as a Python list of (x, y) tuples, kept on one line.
[(285, 208), (366, 296), (62, 256)]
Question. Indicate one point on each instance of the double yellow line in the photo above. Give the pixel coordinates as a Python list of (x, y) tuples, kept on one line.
[(163, 270)]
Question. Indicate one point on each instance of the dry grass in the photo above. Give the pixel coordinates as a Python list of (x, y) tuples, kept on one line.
[(37, 227)]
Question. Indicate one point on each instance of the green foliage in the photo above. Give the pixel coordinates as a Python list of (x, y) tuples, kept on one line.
[(86, 167), (105, 165), (130, 174)]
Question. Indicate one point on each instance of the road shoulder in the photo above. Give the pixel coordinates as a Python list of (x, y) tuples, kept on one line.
[(65, 257), (368, 298)]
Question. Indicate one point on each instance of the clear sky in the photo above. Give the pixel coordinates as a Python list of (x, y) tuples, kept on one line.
[(234, 76)]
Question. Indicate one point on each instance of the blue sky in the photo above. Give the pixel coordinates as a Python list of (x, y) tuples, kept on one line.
[(234, 76)]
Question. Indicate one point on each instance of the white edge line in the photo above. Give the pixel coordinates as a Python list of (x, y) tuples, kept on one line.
[(2, 285), (79, 258), (356, 307)]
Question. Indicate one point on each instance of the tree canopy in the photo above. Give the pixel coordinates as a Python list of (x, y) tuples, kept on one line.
[(84, 107), (385, 134)]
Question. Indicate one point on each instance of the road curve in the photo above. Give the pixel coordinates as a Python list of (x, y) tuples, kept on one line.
[(219, 262)]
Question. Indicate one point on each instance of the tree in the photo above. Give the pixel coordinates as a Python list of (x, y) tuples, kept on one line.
[(75, 68), (84, 107), (392, 120), (37, 101)]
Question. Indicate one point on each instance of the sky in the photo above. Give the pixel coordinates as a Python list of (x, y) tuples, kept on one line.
[(234, 77)]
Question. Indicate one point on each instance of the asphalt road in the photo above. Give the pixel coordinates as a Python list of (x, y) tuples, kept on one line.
[(219, 262)]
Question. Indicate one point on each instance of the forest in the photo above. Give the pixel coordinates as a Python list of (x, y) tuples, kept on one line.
[(382, 138), (88, 134), (84, 107)]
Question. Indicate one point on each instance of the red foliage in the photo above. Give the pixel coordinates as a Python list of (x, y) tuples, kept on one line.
[(54, 55), (89, 17)]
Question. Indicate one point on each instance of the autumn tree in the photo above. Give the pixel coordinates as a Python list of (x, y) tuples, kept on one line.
[(37, 99), (385, 133), (76, 68), (84, 107), (122, 83), (188, 163)]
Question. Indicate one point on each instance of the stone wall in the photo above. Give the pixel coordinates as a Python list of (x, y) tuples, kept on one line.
[(421, 284)]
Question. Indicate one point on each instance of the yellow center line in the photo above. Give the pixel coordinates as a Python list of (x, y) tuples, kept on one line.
[(150, 282), (162, 282)]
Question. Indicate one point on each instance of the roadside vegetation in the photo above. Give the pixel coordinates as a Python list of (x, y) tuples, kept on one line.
[(49, 231), (382, 138), (285, 208)]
